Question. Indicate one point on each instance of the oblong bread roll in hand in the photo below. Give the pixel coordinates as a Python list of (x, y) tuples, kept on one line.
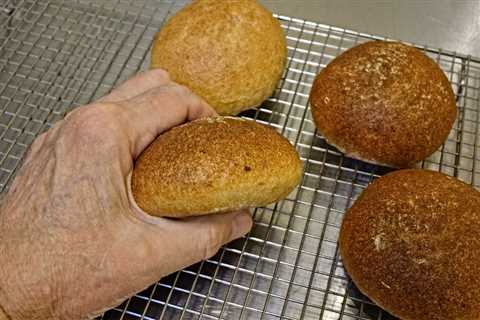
[(214, 165), (411, 243)]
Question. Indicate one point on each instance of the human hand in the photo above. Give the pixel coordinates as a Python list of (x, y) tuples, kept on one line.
[(72, 241)]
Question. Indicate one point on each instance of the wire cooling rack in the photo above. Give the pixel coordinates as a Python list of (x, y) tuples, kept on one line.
[(56, 55)]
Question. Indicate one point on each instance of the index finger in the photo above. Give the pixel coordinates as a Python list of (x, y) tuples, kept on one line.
[(159, 109), (137, 85)]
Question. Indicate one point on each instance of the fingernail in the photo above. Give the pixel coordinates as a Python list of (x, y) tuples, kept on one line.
[(241, 224)]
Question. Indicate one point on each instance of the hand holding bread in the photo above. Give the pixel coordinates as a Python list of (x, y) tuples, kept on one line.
[(85, 224), (72, 243)]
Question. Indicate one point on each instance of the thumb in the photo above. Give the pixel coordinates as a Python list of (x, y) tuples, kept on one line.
[(181, 243), (203, 236), (158, 247)]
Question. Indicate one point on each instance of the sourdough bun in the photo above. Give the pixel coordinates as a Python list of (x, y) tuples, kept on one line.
[(231, 53), (385, 103), (212, 165), (411, 243)]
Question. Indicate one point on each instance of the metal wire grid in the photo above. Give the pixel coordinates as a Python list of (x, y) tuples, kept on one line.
[(56, 55)]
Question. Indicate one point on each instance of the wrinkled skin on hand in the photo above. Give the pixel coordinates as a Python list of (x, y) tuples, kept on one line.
[(72, 243)]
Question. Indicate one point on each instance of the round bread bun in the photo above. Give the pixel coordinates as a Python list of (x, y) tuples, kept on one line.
[(385, 103), (214, 165), (411, 243), (231, 53)]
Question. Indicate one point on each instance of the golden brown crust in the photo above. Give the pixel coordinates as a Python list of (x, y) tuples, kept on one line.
[(411, 243), (212, 165), (231, 53), (384, 102)]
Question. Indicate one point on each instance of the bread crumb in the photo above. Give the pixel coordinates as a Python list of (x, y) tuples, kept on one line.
[(233, 118), (419, 261), (385, 285), (377, 240), (215, 119)]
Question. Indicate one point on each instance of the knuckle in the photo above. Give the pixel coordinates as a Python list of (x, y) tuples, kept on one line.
[(95, 123), (212, 242), (39, 140), (34, 147), (167, 94), (181, 89), (163, 74), (175, 90), (94, 117)]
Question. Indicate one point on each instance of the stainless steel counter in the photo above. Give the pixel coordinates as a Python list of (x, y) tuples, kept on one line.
[(449, 24)]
